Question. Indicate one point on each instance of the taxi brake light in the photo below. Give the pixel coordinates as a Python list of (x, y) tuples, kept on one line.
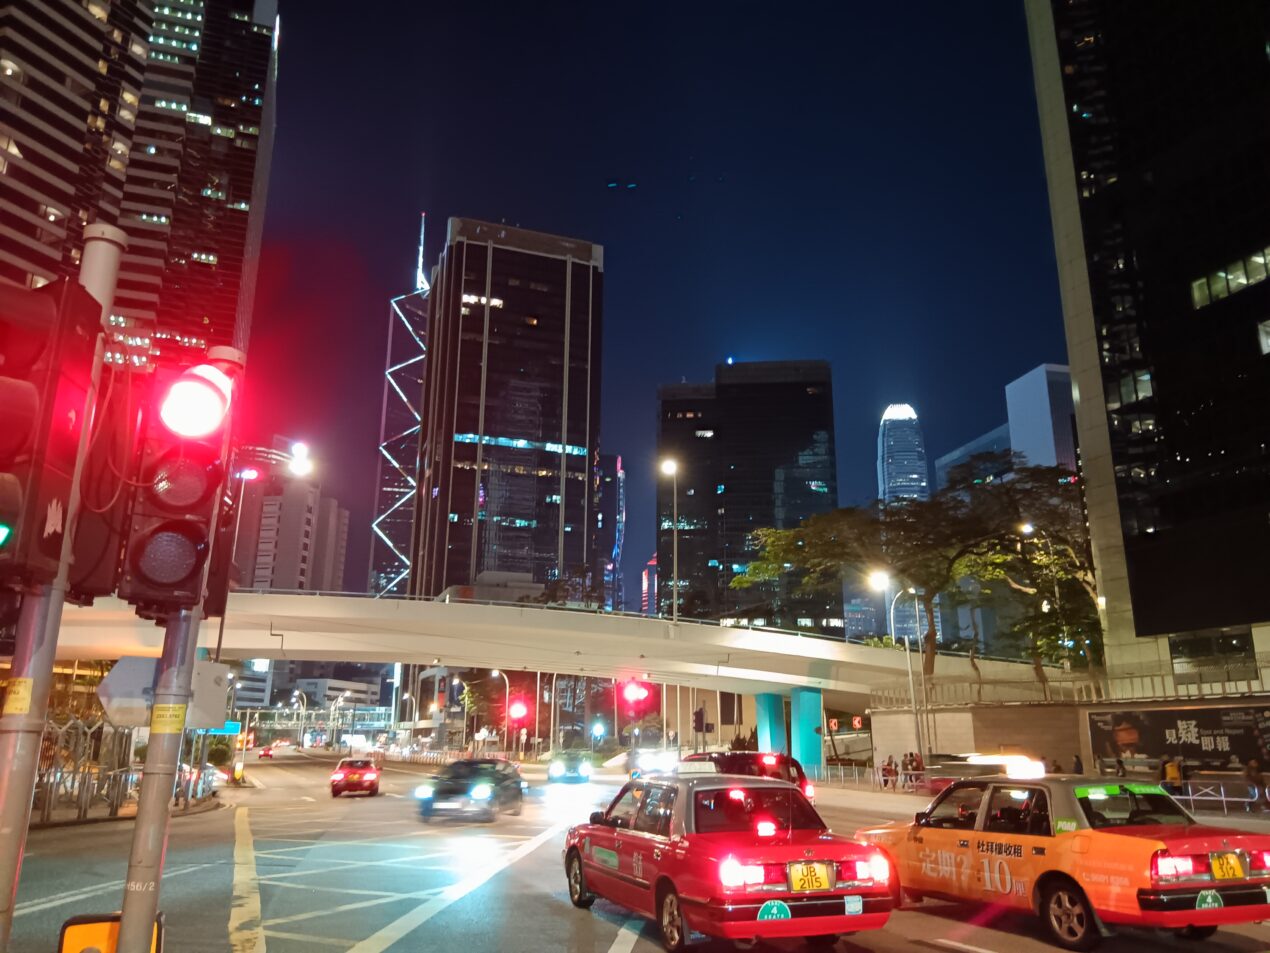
[(1260, 860), (875, 869), (732, 873), (766, 829), (1166, 866), (337, 776), (809, 790), (736, 794), (769, 759)]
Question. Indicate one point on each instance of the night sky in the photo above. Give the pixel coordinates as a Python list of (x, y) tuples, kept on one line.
[(856, 182)]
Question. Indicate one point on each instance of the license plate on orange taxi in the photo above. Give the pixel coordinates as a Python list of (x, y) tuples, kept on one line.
[(805, 877), (1227, 866)]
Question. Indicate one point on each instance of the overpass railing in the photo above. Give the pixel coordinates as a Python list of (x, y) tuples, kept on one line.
[(598, 610), (1164, 680)]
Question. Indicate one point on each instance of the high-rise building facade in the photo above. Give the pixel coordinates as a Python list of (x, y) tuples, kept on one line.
[(903, 473), (1161, 213), (290, 537), (1040, 411), (995, 441), (648, 587), (156, 119), (610, 532), (508, 448), (753, 449), (396, 490)]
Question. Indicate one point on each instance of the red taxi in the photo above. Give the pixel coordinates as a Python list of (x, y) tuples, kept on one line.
[(355, 774), (728, 856)]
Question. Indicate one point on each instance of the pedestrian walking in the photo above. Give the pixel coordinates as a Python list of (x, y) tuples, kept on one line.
[(1078, 766), (1256, 786), (1120, 768)]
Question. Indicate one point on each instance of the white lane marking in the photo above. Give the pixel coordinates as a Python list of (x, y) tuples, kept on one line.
[(83, 893), (352, 905), (306, 939), (305, 797), (964, 947), (245, 934), (382, 940), (390, 794), (254, 781), (627, 937)]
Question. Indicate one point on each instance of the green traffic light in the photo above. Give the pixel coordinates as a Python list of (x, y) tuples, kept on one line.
[(5, 532)]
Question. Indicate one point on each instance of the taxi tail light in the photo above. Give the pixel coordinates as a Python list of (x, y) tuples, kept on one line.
[(733, 873), (1259, 861), (809, 790), (876, 869), (769, 759), (337, 776), (1166, 866), (775, 874)]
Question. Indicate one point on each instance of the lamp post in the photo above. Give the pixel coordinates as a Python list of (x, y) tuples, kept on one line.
[(671, 469), (303, 700), (507, 704), (1027, 529), (414, 711), (880, 581)]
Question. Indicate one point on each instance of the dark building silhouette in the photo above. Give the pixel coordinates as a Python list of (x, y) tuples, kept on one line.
[(508, 475), (754, 449), (1155, 119), (610, 532)]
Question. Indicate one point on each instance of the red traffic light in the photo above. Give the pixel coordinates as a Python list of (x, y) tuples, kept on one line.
[(197, 402), (634, 692), (518, 711)]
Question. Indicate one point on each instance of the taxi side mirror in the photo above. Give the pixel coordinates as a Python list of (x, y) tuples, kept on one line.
[(597, 817), (921, 818)]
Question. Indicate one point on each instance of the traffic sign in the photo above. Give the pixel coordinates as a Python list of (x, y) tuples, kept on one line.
[(524, 733), (833, 724), (127, 692), (230, 728), (857, 722)]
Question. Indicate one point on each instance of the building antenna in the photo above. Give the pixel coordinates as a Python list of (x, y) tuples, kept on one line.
[(421, 279)]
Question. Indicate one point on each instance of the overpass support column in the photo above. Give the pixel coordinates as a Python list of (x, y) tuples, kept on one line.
[(771, 721), (806, 717)]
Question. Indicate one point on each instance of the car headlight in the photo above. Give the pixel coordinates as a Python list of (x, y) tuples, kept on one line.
[(585, 769), (481, 792), (423, 791), (556, 769)]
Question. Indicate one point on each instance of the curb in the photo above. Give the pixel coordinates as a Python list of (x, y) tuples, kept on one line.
[(206, 807)]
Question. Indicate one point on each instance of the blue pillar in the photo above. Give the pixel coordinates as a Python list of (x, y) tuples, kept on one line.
[(806, 717), (771, 721)]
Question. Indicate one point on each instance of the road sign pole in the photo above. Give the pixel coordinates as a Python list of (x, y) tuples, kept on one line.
[(172, 692), (31, 672)]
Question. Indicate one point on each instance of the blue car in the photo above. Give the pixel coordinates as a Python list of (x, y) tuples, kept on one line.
[(482, 788)]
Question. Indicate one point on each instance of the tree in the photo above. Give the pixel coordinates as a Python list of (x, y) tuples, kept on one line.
[(919, 542)]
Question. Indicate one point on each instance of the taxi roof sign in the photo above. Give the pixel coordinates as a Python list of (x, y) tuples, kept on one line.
[(696, 767)]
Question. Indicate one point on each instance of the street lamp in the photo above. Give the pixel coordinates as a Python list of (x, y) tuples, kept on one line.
[(671, 469), (303, 699), (1027, 529), (880, 581), (414, 711), (507, 702)]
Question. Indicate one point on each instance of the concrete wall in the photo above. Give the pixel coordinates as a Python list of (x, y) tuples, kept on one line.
[(1051, 731)]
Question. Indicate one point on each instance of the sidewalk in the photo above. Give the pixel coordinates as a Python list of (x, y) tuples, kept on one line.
[(68, 816)]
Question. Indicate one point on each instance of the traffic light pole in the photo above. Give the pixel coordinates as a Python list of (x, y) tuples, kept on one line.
[(31, 673), (172, 692)]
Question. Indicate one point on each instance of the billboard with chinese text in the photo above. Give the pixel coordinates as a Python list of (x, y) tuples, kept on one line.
[(1215, 737)]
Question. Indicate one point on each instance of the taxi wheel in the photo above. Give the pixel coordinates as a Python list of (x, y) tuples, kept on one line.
[(579, 896), (1068, 917), (670, 920), (1195, 933), (519, 808)]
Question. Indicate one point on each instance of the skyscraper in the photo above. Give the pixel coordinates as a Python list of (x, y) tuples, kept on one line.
[(1039, 408), (511, 409), (1161, 212), (175, 151), (903, 475), (398, 459), (902, 470), (648, 587), (754, 449), (610, 532), (291, 537)]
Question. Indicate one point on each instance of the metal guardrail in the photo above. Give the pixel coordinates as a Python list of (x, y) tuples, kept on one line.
[(1239, 796)]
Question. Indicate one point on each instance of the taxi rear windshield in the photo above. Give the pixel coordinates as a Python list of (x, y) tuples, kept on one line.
[(357, 764), (738, 810), (1117, 805)]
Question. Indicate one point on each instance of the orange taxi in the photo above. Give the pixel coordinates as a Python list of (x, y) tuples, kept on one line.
[(1082, 854)]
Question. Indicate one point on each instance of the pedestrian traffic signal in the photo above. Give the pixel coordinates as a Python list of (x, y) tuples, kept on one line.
[(699, 720), (634, 692), (517, 711), (47, 342), (179, 482)]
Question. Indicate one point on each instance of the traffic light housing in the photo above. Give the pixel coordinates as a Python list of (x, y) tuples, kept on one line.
[(48, 339), (179, 482), (699, 720)]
